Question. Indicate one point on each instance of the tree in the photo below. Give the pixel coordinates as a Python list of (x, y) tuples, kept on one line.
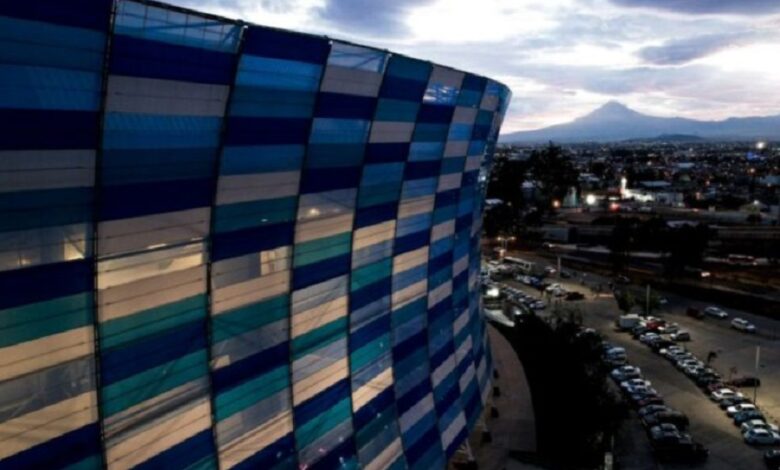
[(506, 182), (686, 246), (625, 300), (620, 243), (555, 173)]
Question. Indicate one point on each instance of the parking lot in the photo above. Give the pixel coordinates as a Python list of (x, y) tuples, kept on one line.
[(735, 356)]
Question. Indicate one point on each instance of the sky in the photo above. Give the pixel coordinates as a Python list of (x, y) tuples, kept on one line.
[(701, 59)]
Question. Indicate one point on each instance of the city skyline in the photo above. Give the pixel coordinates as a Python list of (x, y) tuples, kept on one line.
[(701, 60)]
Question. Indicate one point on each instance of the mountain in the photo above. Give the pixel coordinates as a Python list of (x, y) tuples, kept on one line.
[(615, 122)]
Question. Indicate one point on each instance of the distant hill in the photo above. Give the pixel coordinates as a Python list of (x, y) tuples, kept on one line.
[(616, 122), (673, 138)]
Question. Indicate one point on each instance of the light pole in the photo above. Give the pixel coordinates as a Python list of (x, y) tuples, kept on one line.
[(505, 241), (647, 301), (755, 384)]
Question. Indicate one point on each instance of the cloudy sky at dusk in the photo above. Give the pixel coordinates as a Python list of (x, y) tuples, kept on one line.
[(703, 59)]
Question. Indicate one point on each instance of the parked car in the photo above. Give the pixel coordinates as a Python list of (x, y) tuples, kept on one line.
[(716, 312), (660, 344), (638, 331), (638, 391), (647, 401), (695, 313), (634, 383), (627, 322), (745, 382), (772, 459), (682, 335), (669, 328), (622, 280), (707, 378), (647, 337), (687, 363), (673, 349), (758, 424), (724, 393), (761, 437), (664, 431), (624, 373), (714, 387), (732, 410), (666, 417), (747, 415), (652, 409), (724, 404), (574, 296), (743, 325)]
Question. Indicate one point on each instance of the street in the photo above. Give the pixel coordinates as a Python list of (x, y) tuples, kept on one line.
[(735, 356)]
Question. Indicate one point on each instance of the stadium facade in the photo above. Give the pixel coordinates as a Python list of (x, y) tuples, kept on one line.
[(226, 245)]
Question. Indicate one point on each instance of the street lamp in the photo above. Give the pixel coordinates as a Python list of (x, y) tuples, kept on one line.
[(504, 241)]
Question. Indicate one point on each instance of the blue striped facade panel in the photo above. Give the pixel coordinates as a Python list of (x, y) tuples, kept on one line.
[(169, 76), (51, 63), (260, 248)]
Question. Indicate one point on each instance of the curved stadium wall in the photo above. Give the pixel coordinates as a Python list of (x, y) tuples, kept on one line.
[(226, 245)]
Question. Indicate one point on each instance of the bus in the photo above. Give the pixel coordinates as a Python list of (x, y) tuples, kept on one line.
[(521, 265)]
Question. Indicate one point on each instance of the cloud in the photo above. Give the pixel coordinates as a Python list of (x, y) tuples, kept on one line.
[(737, 7), (371, 17), (681, 51)]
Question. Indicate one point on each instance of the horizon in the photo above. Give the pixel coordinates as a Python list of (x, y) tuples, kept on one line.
[(563, 58), (630, 108)]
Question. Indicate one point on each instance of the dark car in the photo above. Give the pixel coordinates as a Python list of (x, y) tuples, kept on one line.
[(652, 409), (706, 379), (638, 331), (745, 382), (695, 313), (574, 296), (670, 417), (732, 401), (651, 400), (743, 416), (772, 459), (622, 280), (660, 344)]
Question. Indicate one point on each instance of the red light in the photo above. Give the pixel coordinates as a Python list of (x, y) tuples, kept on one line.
[(614, 207)]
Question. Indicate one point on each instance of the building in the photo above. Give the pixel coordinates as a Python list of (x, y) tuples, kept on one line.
[(226, 245)]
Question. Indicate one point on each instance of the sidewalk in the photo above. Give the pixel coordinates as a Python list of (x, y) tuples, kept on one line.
[(514, 429)]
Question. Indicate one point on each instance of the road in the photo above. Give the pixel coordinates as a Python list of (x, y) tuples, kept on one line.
[(735, 349)]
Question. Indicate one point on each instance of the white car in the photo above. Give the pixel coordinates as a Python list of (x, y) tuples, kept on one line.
[(680, 335), (669, 329), (648, 337), (627, 384), (625, 373), (761, 437), (758, 424), (688, 363), (716, 312), (743, 325), (732, 410), (723, 393)]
